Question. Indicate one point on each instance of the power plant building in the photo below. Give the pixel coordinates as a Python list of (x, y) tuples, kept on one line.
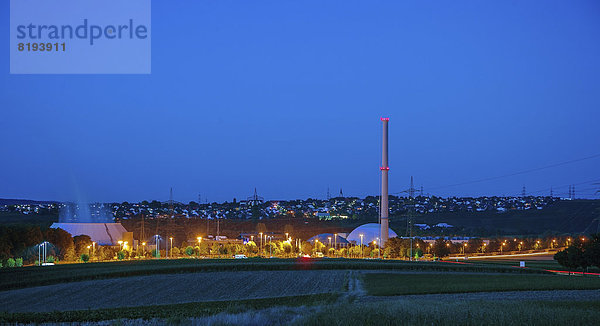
[(104, 234), (370, 233)]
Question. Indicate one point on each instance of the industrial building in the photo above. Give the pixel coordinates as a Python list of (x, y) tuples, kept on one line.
[(370, 232), (104, 234)]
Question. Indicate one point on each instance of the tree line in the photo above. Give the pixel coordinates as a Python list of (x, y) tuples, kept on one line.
[(582, 253)]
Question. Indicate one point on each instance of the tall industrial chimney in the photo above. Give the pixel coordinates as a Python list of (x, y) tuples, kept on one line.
[(384, 184)]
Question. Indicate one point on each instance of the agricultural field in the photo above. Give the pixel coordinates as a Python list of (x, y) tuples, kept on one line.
[(151, 290), (388, 284), (457, 312), (35, 276), (546, 262), (297, 292)]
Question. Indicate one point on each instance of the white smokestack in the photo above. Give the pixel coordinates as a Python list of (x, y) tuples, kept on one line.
[(384, 184)]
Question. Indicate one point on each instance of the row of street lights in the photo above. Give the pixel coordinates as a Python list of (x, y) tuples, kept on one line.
[(42, 247)]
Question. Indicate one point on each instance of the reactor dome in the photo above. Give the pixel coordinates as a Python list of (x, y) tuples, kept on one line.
[(370, 232)]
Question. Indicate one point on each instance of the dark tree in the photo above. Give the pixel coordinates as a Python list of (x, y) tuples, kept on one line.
[(81, 243), (441, 248), (62, 243), (396, 247), (571, 258), (592, 251)]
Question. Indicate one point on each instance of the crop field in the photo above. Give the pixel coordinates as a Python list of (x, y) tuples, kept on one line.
[(280, 291), (387, 284), (538, 263), (456, 312), (170, 289), (174, 313), (35, 276)]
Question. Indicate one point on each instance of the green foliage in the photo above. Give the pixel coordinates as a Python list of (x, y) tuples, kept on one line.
[(441, 248), (62, 243), (417, 252), (456, 312), (51, 259), (81, 242), (189, 250), (85, 258), (251, 248), (19, 262), (395, 248), (592, 251), (307, 248), (10, 262), (121, 255), (401, 284), (155, 253), (17, 240), (175, 252), (580, 254)]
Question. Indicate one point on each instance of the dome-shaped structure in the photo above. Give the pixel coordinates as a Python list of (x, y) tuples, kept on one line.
[(370, 232), (324, 238)]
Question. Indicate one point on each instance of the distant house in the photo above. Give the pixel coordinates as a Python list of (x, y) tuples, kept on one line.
[(423, 226)]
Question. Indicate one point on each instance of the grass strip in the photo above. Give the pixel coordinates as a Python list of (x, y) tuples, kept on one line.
[(386, 284), (181, 310), (429, 312)]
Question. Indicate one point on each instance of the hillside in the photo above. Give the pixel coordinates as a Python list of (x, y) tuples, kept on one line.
[(6, 201), (577, 216)]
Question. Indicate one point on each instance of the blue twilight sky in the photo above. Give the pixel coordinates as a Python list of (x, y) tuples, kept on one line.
[(286, 97)]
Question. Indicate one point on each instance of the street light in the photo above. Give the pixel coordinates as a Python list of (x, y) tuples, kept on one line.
[(261, 241), (42, 252), (502, 246), (144, 246), (335, 241), (171, 250), (270, 247), (329, 238), (157, 253), (120, 244), (94, 248), (361, 247)]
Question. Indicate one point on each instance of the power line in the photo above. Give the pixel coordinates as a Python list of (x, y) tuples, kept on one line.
[(517, 173)]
